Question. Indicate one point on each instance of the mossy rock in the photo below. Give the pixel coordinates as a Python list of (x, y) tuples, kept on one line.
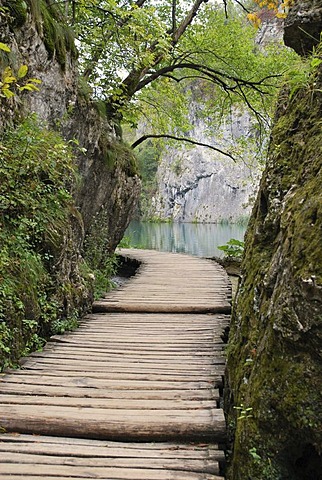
[(273, 361), (18, 10), (51, 25)]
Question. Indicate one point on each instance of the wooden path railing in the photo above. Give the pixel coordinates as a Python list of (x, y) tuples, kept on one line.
[(134, 392)]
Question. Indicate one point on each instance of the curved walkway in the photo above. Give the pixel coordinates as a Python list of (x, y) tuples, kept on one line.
[(134, 392)]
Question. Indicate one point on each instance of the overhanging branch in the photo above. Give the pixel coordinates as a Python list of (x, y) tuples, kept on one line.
[(216, 76), (182, 139)]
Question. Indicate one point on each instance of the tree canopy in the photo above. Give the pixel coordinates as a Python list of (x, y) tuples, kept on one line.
[(147, 58)]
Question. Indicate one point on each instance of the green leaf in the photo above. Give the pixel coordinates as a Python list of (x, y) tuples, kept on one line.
[(7, 93), (30, 87), (4, 47), (35, 80), (315, 62), (22, 72)]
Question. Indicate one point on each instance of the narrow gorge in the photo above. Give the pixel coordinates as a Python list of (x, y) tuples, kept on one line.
[(70, 185)]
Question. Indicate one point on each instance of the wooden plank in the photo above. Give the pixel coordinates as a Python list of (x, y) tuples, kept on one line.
[(103, 393), (100, 383), (145, 366), (112, 375), (167, 307), (94, 448), (129, 425), (158, 446), (188, 465), (112, 403), (11, 472)]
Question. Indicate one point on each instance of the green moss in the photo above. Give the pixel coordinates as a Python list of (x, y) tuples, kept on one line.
[(50, 23), (18, 11), (117, 154), (84, 90), (273, 364), (101, 107)]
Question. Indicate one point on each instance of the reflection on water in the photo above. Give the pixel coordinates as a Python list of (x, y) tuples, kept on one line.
[(199, 239)]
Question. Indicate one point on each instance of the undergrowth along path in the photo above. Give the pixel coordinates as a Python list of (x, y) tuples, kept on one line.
[(134, 393)]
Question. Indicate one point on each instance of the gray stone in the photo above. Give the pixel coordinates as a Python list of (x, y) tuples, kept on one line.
[(303, 26), (198, 184)]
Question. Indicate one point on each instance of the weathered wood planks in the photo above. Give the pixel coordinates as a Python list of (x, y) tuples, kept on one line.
[(126, 377), (33, 456), (170, 283)]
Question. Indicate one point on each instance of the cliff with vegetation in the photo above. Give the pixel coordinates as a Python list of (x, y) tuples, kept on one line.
[(274, 353), (66, 176), (200, 185)]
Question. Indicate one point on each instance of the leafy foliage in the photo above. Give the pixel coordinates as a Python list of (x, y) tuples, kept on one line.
[(278, 8), (100, 263), (233, 249), (15, 82), (148, 160), (36, 175), (147, 60), (225, 71)]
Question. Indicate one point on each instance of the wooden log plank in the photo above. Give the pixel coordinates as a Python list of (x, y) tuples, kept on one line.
[(103, 393), (193, 416), (111, 375), (188, 465), (11, 472), (95, 423), (126, 404), (72, 364), (171, 363), (159, 446), (101, 306), (62, 446), (105, 384), (183, 356)]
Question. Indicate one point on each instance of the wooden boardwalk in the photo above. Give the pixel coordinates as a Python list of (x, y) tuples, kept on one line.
[(134, 392)]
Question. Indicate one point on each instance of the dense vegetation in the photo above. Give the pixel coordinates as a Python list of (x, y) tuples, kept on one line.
[(37, 174), (39, 229)]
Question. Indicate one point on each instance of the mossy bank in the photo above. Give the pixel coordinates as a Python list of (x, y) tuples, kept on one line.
[(273, 398)]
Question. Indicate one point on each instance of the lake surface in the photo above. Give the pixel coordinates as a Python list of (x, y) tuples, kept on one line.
[(200, 239)]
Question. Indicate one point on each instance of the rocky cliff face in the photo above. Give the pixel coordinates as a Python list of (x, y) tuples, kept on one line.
[(107, 168), (303, 26), (200, 185), (274, 354)]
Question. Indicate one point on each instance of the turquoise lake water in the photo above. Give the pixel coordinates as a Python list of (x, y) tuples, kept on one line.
[(194, 238)]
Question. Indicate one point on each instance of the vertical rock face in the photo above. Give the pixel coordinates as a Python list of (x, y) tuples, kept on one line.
[(107, 168), (274, 360), (201, 185)]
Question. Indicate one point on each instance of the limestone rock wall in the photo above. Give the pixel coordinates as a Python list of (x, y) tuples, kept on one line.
[(273, 396), (107, 168), (198, 184), (303, 26)]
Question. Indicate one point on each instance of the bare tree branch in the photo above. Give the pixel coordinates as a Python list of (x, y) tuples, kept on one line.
[(187, 20), (214, 75), (182, 139), (174, 16)]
